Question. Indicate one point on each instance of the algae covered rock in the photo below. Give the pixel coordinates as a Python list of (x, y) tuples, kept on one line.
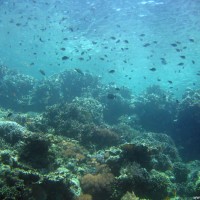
[(69, 119), (98, 185), (129, 196), (14, 88), (181, 172), (35, 151), (188, 125), (11, 132), (155, 104), (52, 187)]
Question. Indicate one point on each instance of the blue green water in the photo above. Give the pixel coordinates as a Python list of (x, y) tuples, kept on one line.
[(102, 35)]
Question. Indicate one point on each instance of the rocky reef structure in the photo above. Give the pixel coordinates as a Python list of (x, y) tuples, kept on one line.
[(75, 146), (87, 115), (63, 87), (155, 105), (187, 132), (14, 88)]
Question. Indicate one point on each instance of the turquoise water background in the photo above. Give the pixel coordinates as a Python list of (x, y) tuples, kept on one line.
[(102, 35)]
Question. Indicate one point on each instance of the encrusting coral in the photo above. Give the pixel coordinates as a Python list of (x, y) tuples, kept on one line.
[(69, 151), (97, 185)]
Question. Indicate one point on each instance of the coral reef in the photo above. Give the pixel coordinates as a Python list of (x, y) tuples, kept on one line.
[(153, 105), (84, 197), (180, 172), (101, 137), (35, 151), (129, 196), (98, 185), (14, 88), (63, 87), (11, 132), (83, 144), (188, 125), (140, 166), (86, 114), (65, 118)]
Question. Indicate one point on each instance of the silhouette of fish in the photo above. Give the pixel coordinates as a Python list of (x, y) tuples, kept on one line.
[(153, 69), (42, 72), (78, 71), (111, 71)]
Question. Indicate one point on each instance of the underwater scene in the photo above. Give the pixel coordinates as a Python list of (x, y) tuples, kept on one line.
[(99, 99)]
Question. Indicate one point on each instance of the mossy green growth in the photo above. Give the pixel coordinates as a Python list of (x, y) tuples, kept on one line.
[(75, 186), (161, 185), (197, 185)]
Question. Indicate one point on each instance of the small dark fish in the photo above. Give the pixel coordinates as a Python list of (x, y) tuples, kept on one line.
[(142, 35), (62, 48), (42, 72), (65, 39), (170, 82), (146, 45), (65, 58), (71, 29), (117, 89), (126, 41), (113, 38), (191, 40), (183, 57), (153, 69), (158, 79), (145, 77), (41, 40), (177, 101), (181, 64), (193, 62), (93, 42), (178, 50), (174, 44), (117, 41), (9, 114), (78, 71), (111, 71), (111, 96), (81, 58), (163, 61)]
